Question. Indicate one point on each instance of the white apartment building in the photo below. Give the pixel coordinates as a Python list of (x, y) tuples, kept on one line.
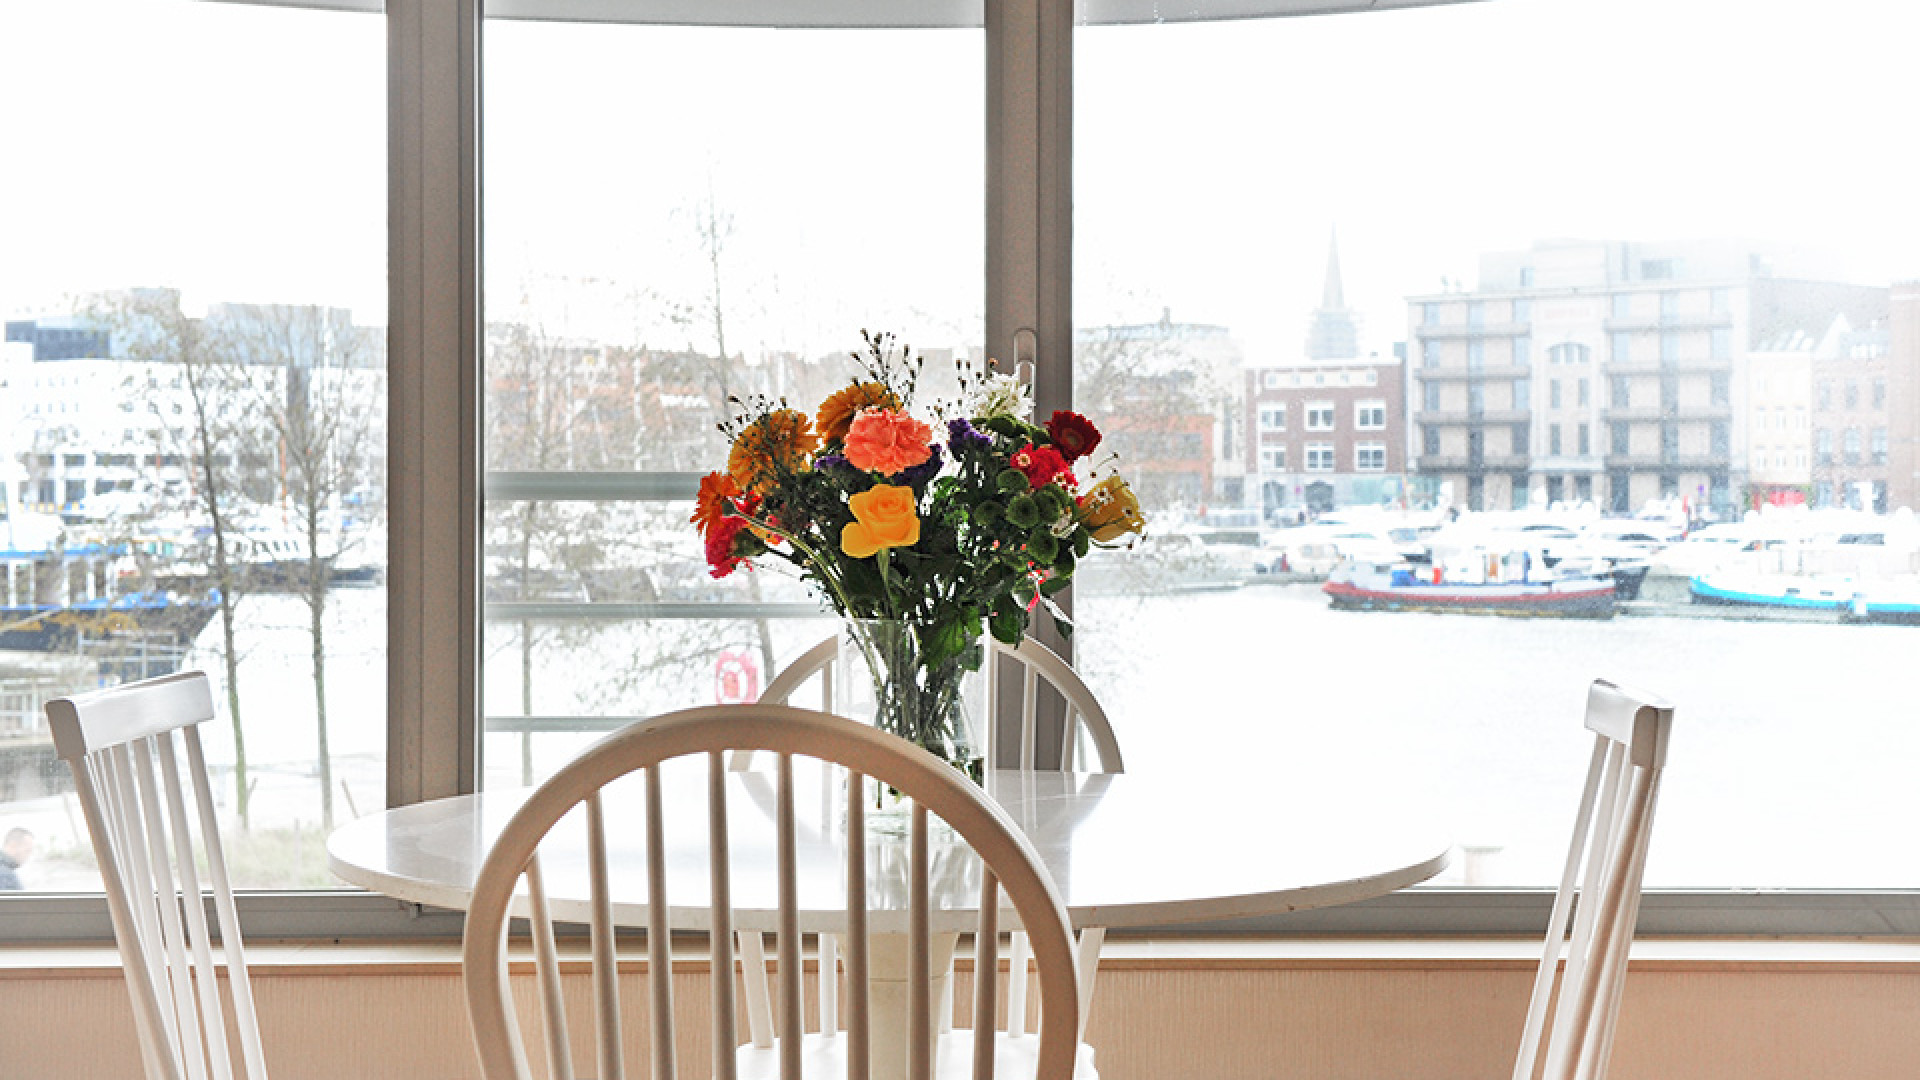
[(1610, 373)]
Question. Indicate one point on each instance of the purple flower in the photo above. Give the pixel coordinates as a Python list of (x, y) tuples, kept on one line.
[(918, 475), (962, 435), (832, 461)]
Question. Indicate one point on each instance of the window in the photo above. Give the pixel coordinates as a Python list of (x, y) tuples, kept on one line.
[(1476, 398), (1273, 418), (1370, 415), (1430, 354), (1553, 394), (1720, 388), (1720, 438), (1720, 343), (1522, 394), (1555, 487), (1319, 457), (1370, 457), (1669, 349), (1117, 220), (1429, 440), (1522, 307), (1622, 443), (1553, 439), (277, 304), (1669, 305), (1622, 392), (1476, 314), (1621, 347), (1430, 314), (1430, 396), (1879, 446), (1585, 388), (1823, 446), (1722, 301), (1270, 379), (1522, 351), (1825, 391), (1622, 305), (1319, 416), (1851, 446), (1568, 353), (1852, 394), (1519, 438), (1273, 458), (1586, 443), (1879, 393), (1476, 354)]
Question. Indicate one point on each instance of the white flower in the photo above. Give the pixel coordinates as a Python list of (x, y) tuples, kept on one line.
[(1002, 395)]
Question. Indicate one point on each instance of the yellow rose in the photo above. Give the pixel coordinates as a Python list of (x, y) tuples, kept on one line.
[(883, 517), (1110, 511)]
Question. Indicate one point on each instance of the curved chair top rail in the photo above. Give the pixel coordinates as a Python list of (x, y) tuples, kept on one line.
[(1091, 718), (1641, 721), (88, 722)]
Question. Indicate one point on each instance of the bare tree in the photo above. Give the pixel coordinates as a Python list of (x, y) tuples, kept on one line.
[(218, 441), (321, 412)]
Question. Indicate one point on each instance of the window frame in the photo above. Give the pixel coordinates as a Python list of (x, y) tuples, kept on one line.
[(434, 327)]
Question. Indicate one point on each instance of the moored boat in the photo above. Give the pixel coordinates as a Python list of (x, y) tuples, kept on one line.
[(160, 618), (1856, 599), (1524, 590)]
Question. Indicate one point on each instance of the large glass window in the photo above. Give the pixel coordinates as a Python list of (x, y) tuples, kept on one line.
[(1224, 246), (646, 265), (192, 407)]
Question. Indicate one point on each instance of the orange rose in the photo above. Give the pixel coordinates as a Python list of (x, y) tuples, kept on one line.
[(885, 441), (883, 517)]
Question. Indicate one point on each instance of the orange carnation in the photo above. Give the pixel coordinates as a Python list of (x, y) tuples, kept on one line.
[(779, 441), (886, 441), (837, 412)]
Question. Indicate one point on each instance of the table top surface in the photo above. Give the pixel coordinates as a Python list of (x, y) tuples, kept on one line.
[(1135, 849)]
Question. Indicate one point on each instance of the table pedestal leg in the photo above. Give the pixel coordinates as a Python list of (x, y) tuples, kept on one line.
[(887, 987)]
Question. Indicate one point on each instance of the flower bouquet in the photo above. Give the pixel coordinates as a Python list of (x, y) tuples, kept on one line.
[(923, 531)]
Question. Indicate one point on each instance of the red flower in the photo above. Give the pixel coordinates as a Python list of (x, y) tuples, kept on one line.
[(1073, 434), (720, 557), (1040, 464)]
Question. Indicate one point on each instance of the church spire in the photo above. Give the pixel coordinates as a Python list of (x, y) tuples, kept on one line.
[(1331, 296), (1334, 333)]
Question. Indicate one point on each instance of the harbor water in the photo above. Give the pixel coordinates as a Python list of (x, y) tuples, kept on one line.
[(1792, 764)]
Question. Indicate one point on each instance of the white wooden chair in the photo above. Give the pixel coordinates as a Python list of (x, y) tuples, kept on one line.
[(147, 811), (1604, 868), (713, 732), (1089, 733)]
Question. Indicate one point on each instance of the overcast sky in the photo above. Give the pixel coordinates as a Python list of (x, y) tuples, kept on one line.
[(239, 154)]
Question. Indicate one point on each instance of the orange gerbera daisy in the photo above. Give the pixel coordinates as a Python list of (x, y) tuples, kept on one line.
[(713, 502), (837, 412), (780, 440)]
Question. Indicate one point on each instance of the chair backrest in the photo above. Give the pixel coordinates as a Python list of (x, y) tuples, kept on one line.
[(1604, 867), (711, 733), (1032, 663), (147, 812)]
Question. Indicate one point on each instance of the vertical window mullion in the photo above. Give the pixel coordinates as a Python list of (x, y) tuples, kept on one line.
[(433, 673)]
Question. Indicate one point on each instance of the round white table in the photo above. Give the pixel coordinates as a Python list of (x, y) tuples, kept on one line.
[(1142, 848)]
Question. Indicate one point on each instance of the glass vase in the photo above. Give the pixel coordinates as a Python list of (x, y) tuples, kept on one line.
[(881, 677)]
